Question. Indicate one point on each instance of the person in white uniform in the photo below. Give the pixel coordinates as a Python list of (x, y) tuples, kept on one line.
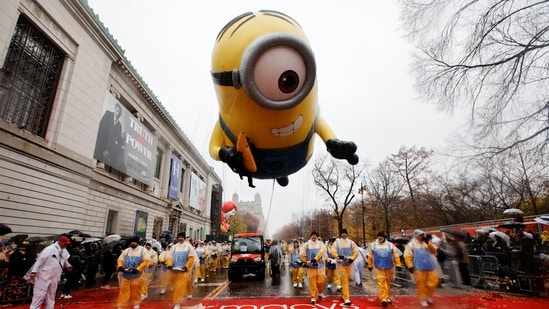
[(46, 272)]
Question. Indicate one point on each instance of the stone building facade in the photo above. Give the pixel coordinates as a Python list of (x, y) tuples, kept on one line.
[(60, 73), (255, 208)]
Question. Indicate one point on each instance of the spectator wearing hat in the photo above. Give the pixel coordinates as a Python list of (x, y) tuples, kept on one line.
[(46, 272), (382, 260), (149, 270), (180, 260), (131, 263), (346, 251), (332, 274), (420, 261), (165, 274), (203, 254), (312, 255)]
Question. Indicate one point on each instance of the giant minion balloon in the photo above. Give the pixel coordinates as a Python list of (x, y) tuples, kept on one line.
[(264, 75)]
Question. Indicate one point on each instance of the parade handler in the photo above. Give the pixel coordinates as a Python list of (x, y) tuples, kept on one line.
[(332, 274), (165, 274), (149, 270), (420, 260), (346, 251), (46, 272), (312, 255), (383, 259), (181, 261), (131, 264), (295, 265), (203, 254)]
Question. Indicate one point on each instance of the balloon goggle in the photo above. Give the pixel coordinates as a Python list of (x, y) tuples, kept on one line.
[(277, 71)]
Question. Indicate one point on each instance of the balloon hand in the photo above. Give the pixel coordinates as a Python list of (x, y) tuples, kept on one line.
[(235, 161), (342, 150), (233, 158)]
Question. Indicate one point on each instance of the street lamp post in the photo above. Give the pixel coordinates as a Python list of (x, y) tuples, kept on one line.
[(363, 215)]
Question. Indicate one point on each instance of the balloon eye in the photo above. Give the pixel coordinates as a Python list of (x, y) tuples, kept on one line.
[(288, 81), (277, 71)]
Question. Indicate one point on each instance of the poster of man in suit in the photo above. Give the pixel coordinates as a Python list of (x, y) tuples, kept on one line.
[(124, 142), (109, 146)]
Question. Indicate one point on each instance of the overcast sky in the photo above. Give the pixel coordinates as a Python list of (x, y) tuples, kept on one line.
[(365, 90)]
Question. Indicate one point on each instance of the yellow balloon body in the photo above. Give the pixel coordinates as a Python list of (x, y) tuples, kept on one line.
[(265, 81)]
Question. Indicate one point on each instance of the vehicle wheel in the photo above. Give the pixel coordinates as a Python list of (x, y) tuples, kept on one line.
[(261, 274), (231, 275)]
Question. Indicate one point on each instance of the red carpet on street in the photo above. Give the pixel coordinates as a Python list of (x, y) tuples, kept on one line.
[(106, 299)]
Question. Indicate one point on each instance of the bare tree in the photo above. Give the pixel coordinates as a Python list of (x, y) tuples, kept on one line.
[(287, 232), (412, 165), (354, 219), (490, 56), (336, 181), (385, 187), (462, 199), (517, 179)]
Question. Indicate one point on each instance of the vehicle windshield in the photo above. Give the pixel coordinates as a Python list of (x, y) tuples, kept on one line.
[(247, 245)]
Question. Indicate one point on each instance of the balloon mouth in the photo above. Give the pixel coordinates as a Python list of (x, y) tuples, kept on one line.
[(289, 129)]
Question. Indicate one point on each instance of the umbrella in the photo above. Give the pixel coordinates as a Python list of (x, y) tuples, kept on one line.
[(503, 236), (402, 240), (543, 219), (18, 238), (513, 211), (485, 230), (435, 240), (450, 231), (4, 229), (74, 232), (111, 239), (166, 232), (88, 240), (36, 239), (511, 225)]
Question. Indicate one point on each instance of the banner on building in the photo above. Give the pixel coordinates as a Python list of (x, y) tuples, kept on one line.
[(175, 177), (197, 198), (140, 226), (124, 143)]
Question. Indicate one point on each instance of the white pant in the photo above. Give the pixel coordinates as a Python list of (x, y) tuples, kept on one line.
[(44, 291)]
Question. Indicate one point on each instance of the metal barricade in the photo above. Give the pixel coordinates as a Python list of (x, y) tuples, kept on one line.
[(476, 273), (491, 269)]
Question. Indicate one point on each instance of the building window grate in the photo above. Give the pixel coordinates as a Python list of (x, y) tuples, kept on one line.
[(29, 77)]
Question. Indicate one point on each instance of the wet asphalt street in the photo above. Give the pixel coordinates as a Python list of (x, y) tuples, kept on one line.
[(217, 286), (218, 292)]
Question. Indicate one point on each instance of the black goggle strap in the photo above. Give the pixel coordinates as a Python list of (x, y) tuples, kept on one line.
[(227, 78)]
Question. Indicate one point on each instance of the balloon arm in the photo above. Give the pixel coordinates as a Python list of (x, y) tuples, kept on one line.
[(243, 147), (339, 149), (323, 130)]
